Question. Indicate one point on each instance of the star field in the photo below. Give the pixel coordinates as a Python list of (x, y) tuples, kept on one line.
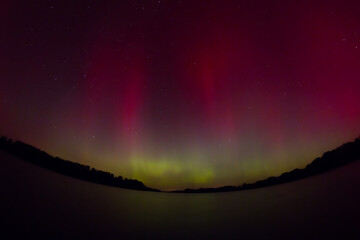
[(182, 93)]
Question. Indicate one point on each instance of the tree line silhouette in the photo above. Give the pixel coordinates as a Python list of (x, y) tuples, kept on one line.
[(56, 164), (345, 154)]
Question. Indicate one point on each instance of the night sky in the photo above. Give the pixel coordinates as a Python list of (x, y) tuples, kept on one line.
[(182, 93)]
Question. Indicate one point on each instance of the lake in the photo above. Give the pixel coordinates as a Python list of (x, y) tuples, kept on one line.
[(41, 203)]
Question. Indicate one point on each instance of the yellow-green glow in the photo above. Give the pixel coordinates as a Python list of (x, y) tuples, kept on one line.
[(193, 166), (174, 172)]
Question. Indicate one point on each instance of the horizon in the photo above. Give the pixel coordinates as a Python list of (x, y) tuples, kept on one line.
[(182, 94), (330, 160)]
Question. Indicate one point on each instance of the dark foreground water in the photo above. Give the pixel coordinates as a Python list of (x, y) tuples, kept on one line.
[(39, 203)]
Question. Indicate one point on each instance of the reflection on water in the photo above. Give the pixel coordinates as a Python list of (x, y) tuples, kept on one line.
[(42, 202)]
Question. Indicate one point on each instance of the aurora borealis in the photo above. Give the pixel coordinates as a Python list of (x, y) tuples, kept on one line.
[(182, 93)]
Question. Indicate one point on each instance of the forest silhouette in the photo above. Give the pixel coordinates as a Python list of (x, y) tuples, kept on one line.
[(343, 155), (33, 155)]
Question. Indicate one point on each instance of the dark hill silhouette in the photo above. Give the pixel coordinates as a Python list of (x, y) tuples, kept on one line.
[(345, 154), (33, 155)]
